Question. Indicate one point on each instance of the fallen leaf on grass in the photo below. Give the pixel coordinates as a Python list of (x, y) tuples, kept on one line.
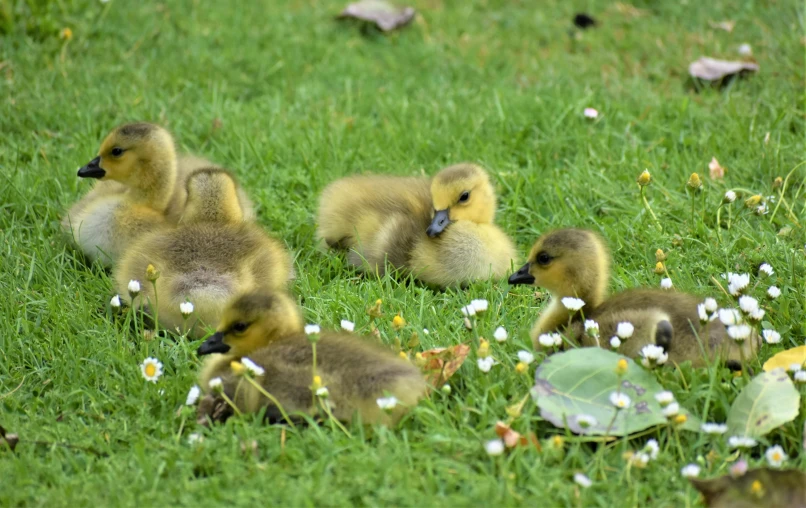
[(757, 488), (715, 170), (711, 69), (767, 402), (513, 439), (442, 363), (786, 358), (724, 25), (385, 15)]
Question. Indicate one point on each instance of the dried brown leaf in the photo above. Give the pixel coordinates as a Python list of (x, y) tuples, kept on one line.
[(727, 25), (383, 14), (711, 69), (715, 170), (442, 363)]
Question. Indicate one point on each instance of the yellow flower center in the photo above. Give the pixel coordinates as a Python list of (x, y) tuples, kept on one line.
[(776, 456), (151, 369)]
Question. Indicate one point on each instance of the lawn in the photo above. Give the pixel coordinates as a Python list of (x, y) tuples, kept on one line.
[(290, 99)]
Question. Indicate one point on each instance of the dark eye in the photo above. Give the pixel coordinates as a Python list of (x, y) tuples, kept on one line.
[(464, 197), (543, 258), (240, 327), (117, 151)]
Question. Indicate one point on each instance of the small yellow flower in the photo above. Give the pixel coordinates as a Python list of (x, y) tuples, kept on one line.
[(237, 368), (694, 181), (521, 367), (557, 441), (752, 201), (484, 348), (621, 367), (152, 273), (757, 489), (398, 322), (375, 310), (660, 256), (644, 178), (680, 419), (404, 355), (777, 182), (317, 382), (66, 34), (659, 269)]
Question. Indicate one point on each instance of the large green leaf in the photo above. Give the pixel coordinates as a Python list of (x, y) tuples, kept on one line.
[(580, 381), (769, 401)]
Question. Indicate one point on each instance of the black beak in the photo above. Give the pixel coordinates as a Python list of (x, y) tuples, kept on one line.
[(522, 276), (92, 169), (438, 225), (214, 344)]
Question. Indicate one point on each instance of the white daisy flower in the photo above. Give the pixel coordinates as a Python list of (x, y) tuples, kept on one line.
[(151, 369), (468, 310), (774, 292), (323, 392), (216, 384), (729, 316), (741, 442), (494, 447), (615, 342), (387, 403), (800, 376), (737, 283), (591, 328), (714, 428), (115, 301), (573, 304), (730, 197), (765, 269), (795, 367), (590, 113), (757, 315), (193, 395), (666, 283), (702, 313), (582, 480), (186, 308), (775, 456), (771, 336), (586, 421), (485, 364), (761, 209), (652, 448), (664, 398), (550, 340), (252, 366), (620, 400), (500, 334), (640, 459), (134, 288), (625, 330), (710, 305), (347, 325), (690, 471), (425, 331), (748, 304), (745, 49), (671, 410), (194, 438), (480, 305), (739, 332), (652, 355), (526, 357), (312, 330)]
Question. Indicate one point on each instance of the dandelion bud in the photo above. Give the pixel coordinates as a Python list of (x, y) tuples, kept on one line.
[(659, 269), (730, 197), (237, 368), (521, 367), (777, 182), (317, 382), (694, 182), (621, 367), (398, 322), (644, 179), (660, 256), (484, 348), (403, 355), (680, 419), (152, 274), (375, 310), (752, 201)]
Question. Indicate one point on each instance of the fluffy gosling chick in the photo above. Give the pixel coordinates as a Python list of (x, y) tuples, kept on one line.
[(211, 257), (268, 328), (441, 231), (576, 263)]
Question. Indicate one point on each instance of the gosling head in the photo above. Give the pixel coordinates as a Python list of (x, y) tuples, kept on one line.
[(252, 321), (568, 262), (212, 196), (461, 192), (130, 153)]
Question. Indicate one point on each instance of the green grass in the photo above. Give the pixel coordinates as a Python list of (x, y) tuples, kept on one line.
[(302, 100)]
